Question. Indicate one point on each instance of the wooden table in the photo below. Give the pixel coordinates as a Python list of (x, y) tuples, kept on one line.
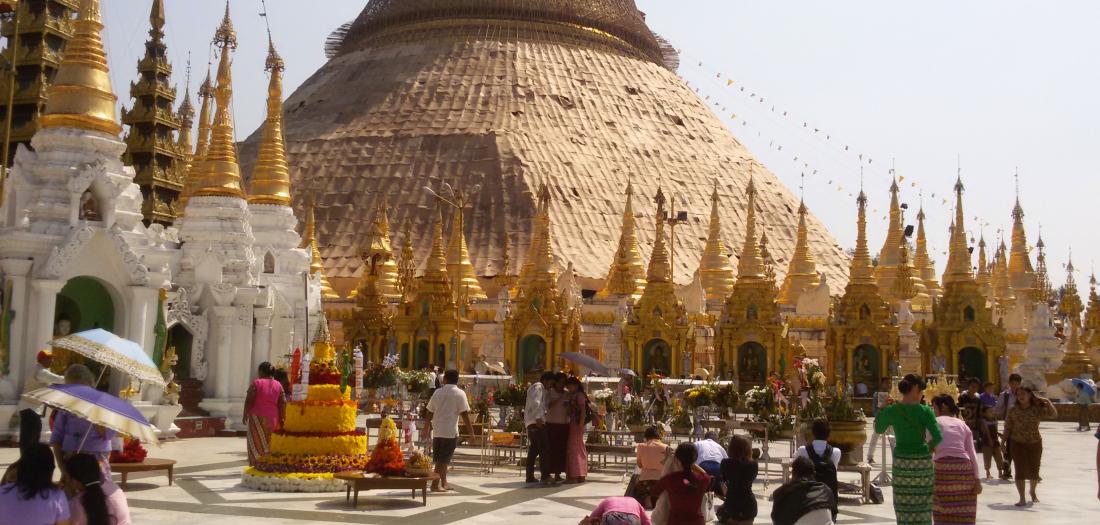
[(149, 465), (357, 481)]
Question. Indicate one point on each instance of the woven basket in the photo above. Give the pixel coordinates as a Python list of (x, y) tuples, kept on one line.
[(418, 472)]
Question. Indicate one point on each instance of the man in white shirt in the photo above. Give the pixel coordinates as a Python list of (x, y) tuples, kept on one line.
[(819, 448), (534, 418), (446, 406), (821, 440), (711, 455)]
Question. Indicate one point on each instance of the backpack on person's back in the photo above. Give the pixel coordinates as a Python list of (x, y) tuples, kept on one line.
[(824, 469)]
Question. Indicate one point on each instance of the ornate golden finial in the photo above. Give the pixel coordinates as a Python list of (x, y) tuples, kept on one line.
[(316, 264), (861, 271), (271, 175), (186, 114), (750, 265), (220, 175), (81, 96), (539, 268), (156, 15), (1070, 305), (626, 275), (802, 272), (926, 269), (958, 255), (464, 281), (715, 270), (906, 286)]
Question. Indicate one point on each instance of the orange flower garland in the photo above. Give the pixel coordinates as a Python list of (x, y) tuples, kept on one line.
[(387, 459)]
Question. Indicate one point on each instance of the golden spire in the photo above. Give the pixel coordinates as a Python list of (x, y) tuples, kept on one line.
[(985, 283), (1070, 305), (907, 286), (861, 271), (435, 280), (1092, 315), (926, 269), (316, 264), (958, 255), (766, 256), (406, 269), (1002, 288), (379, 265), (206, 95), (81, 96), (1020, 272), (1044, 291), (220, 174), (539, 267), (464, 281), (660, 269), (750, 265), (1075, 360), (186, 114), (715, 270), (194, 168), (504, 273), (271, 175), (626, 275), (889, 257), (802, 272)]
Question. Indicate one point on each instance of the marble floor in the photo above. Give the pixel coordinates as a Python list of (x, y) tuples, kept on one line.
[(207, 491)]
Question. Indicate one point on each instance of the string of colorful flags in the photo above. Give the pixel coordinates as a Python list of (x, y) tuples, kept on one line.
[(846, 159)]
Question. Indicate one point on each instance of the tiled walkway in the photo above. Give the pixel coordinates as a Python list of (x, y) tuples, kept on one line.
[(207, 491)]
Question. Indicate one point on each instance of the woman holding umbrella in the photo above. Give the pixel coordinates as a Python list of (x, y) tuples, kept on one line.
[(73, 434)]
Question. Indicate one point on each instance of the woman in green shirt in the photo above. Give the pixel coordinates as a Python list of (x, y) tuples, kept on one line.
[(914, 474)]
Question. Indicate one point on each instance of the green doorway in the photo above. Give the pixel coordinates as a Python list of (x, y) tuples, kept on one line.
[(532, 357), (82, 304), (972, 364), (180, 338)]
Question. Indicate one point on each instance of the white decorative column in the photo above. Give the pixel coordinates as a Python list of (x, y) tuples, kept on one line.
[(141, 316), (261, 338), (218, 352), (40, 323), (19, 358)]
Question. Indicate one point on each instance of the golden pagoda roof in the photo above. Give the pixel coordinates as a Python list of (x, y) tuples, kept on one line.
[(626, 275), (380, 249), (802, 272), (766, 256), (406, 268), (219, 172), (81, 96), (435, 281), (271, 174), (1020, 272), (1044, 291), (464, 281), (751, 264), (958, 255), (186, 113), (715, 270), (907, 285), (316, 264), (1075, 360), (660, 268), (861, 271), (1092, 315), (1003, 294), (202, 144)]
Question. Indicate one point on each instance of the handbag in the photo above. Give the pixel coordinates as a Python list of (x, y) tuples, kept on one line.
[(708, 508)]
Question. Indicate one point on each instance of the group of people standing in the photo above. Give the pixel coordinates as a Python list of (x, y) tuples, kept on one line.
[(86, 495), (556, 414), (936, 471)]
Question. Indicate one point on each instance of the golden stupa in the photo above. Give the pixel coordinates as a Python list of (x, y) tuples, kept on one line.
[(578, 94)]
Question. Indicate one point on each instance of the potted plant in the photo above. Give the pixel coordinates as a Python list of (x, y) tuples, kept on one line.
[(634, 416), (680, 420), (417, 382), (700, 396), (726, 397), (847, 427)]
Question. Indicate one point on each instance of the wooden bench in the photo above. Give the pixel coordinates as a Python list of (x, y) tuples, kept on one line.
[(149, 465), (864, 470), (357, 481)]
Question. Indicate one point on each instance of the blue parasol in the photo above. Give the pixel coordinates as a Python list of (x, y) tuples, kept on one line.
[(1088, 385)]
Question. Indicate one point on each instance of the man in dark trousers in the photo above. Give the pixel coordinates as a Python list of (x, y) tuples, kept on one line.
[(1007, 400), (534, 418)]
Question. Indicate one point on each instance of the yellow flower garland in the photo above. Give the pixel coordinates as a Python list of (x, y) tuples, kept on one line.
[(306, 417), (251, 471), (327, 393), (304, 446)]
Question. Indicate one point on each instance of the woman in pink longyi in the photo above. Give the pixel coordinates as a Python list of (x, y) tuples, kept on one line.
[(263, 412)]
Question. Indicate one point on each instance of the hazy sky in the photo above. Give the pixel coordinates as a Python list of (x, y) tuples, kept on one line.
[(999, 84)]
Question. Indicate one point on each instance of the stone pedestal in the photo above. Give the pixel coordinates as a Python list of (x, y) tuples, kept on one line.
[(162, 417)]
